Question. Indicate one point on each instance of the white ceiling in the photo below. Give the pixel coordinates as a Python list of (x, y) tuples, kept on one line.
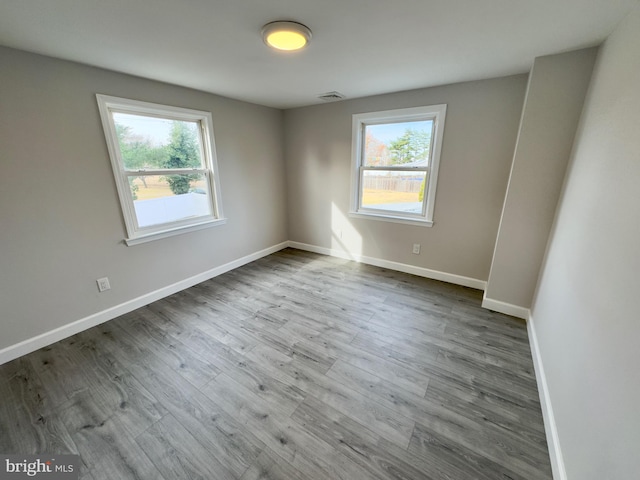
[(359, 47)]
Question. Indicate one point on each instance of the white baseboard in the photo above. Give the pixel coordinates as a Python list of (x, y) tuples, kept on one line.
[(553, 441), (27, 346), (506, 308), (32, 344), (400, 267), (47, 338)]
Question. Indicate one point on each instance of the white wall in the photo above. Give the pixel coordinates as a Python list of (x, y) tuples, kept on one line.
[(61, 225), (585, 312), (479, 138), (554, 100)]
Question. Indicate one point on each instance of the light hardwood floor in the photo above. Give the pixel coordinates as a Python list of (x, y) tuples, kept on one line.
[(296, 366)]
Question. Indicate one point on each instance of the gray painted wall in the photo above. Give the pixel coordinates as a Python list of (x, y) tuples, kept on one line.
[(61, 226), (479, 138), (555, 96), (585, 312)]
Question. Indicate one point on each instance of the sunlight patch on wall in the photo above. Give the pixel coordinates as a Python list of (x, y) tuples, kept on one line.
[(344, 236)]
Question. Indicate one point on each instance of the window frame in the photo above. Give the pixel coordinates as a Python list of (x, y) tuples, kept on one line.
[(360, 121), (135, 234)]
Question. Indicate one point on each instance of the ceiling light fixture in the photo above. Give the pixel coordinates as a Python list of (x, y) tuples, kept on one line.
[(283, 35)]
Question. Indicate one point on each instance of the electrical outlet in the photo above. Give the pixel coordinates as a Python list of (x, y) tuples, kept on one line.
[(416, 248), (103, 284)]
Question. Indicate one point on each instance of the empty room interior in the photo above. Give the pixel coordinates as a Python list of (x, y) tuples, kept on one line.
[(406, 247)]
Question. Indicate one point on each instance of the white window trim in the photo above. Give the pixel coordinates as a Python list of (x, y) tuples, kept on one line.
[(437, 113), (108, 104)]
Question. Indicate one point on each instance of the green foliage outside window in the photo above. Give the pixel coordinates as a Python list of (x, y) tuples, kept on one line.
[(139, 153), (183, 152), (412, 146)]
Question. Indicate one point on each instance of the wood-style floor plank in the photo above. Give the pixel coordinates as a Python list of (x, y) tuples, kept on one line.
[(347, 400), (222, 435), (178, 454), (295, 366), (354, 441), (280, 433), (103, 441), (268, 466)]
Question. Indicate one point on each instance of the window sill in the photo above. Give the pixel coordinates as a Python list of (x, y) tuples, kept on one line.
[(391, 218), (150, 237)]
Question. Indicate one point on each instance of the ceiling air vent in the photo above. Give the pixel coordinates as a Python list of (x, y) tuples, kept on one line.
[(331, 96)]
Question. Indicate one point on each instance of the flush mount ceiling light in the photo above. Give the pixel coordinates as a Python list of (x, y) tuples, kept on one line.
[(288, 36)]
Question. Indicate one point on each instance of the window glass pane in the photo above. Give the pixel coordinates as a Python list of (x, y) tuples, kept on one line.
[(403, 143), (169, 198), (393, 191), (152, 143)]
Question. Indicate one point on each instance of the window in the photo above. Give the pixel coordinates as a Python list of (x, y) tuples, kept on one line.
[(164, 163), (395, 164)]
